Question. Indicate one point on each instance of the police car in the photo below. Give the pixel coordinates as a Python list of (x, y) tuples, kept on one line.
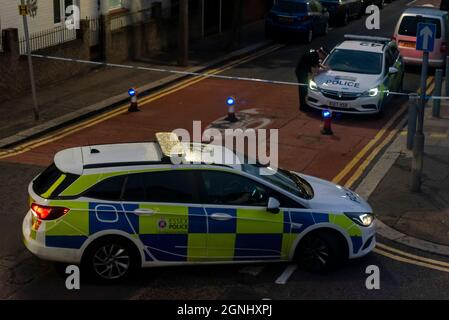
[(118, 207), (361, 71)]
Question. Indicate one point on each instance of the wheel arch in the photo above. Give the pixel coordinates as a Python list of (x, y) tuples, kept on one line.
[(339, 232), (114, 234)]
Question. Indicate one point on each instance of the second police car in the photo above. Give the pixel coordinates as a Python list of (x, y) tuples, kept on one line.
[(362, 71), (115, 208)]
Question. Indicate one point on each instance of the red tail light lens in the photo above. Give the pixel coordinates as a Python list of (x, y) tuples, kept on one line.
[(48, 213), (443, 47)]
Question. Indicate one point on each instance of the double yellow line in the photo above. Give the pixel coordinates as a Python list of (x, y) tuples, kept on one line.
[(35, 143)]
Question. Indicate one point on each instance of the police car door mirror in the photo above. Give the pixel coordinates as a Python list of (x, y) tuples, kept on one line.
[(273, 205), (392, 70)]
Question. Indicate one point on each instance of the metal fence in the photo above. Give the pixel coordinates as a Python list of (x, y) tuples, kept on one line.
[(47, 38), (95, 27)]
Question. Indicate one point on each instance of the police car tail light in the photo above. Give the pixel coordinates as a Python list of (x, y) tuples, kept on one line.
[(361, 218), (48, 213)]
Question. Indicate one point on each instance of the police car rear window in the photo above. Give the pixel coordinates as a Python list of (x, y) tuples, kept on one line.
[(290, 7), (355, 61), (409, 25), (48, 178)]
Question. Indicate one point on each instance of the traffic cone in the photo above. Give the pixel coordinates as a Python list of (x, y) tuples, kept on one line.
[(134, 107), (327, 124), (231, 110)]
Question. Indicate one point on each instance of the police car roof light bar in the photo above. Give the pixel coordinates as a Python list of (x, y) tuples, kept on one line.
[(170, 144), (367, 38)]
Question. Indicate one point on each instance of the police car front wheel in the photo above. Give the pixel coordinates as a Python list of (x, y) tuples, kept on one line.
[(110, 259), (320, 252)]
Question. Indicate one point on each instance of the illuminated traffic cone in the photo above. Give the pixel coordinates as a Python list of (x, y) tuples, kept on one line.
[(327, 125), (134, 107), (230, 101)]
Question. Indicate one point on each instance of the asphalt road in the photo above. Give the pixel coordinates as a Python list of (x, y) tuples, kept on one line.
[(22, 276)]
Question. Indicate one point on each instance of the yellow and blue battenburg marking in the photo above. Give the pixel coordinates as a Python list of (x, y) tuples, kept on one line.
[(182, 233)]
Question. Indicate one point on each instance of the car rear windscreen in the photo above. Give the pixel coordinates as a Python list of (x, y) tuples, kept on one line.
[(47, 179), (409, 25), (290, 6)]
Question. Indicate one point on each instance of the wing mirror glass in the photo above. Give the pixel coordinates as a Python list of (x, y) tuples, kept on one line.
[(392, 70), (273, 205)]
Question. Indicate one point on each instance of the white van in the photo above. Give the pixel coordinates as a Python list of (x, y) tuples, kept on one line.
[(405, 35)]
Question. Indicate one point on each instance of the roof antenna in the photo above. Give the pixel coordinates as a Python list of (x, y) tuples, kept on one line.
[(92, 150)]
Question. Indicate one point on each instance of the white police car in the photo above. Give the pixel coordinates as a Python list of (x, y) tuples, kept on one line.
[(115, 208), (361, 71)]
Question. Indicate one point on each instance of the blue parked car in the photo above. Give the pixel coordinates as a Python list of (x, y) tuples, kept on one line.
[(305, 17)]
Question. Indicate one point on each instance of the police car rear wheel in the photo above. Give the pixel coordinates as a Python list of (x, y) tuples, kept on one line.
[(319, 252), (110, 259)]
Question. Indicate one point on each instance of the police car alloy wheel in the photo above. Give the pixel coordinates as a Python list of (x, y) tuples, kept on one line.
[(319, 252), (110, 259)]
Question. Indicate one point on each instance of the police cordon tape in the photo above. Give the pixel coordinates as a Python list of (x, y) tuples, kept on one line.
[(217, 76)]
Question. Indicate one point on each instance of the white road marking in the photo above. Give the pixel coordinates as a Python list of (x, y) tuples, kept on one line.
[(283, 278)]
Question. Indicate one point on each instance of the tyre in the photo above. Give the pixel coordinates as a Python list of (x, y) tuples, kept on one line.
[(308, 37), (381, 113), (345, 20), (326, 29), (110, 259), (320, 252)]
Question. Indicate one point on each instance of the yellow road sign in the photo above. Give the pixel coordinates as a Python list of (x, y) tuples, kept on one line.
[(23, 10)]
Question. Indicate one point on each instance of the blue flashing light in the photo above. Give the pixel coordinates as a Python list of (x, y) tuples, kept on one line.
[(132, 92), (230, 101), (327, 114)]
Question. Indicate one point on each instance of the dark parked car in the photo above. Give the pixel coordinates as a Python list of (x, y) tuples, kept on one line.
[(305, 17), (379, 3), (341, 11)]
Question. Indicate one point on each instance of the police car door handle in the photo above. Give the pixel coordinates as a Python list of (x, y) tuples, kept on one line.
[(221, 216), (143, 212)]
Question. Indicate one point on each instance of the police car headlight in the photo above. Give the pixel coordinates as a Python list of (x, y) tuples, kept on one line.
[(373, 92), (312, 85), (361, 218)]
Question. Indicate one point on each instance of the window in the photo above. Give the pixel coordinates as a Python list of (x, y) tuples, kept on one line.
[(57, 11), (46, 179), (165, 186), (355, 61), (115, 4), (290, 6), (232, 189), (409, 25), (108, 189)]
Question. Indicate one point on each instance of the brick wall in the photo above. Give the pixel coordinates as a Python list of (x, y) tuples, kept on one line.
[(14, 76)]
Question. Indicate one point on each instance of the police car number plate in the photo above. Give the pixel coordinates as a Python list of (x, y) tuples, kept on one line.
[(338, 104)]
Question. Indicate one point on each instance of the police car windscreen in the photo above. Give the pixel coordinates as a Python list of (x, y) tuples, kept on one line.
[(409, 25), (290, 6), (355, 61)]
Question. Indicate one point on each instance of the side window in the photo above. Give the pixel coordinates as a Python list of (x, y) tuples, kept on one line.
[(176, 186), (108, 189), (224, 188), (232, 189)]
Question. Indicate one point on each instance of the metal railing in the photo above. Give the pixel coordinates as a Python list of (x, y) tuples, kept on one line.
[(47, 38)]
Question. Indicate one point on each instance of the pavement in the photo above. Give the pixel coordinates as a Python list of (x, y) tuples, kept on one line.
[(106, 87), (419, 219)]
